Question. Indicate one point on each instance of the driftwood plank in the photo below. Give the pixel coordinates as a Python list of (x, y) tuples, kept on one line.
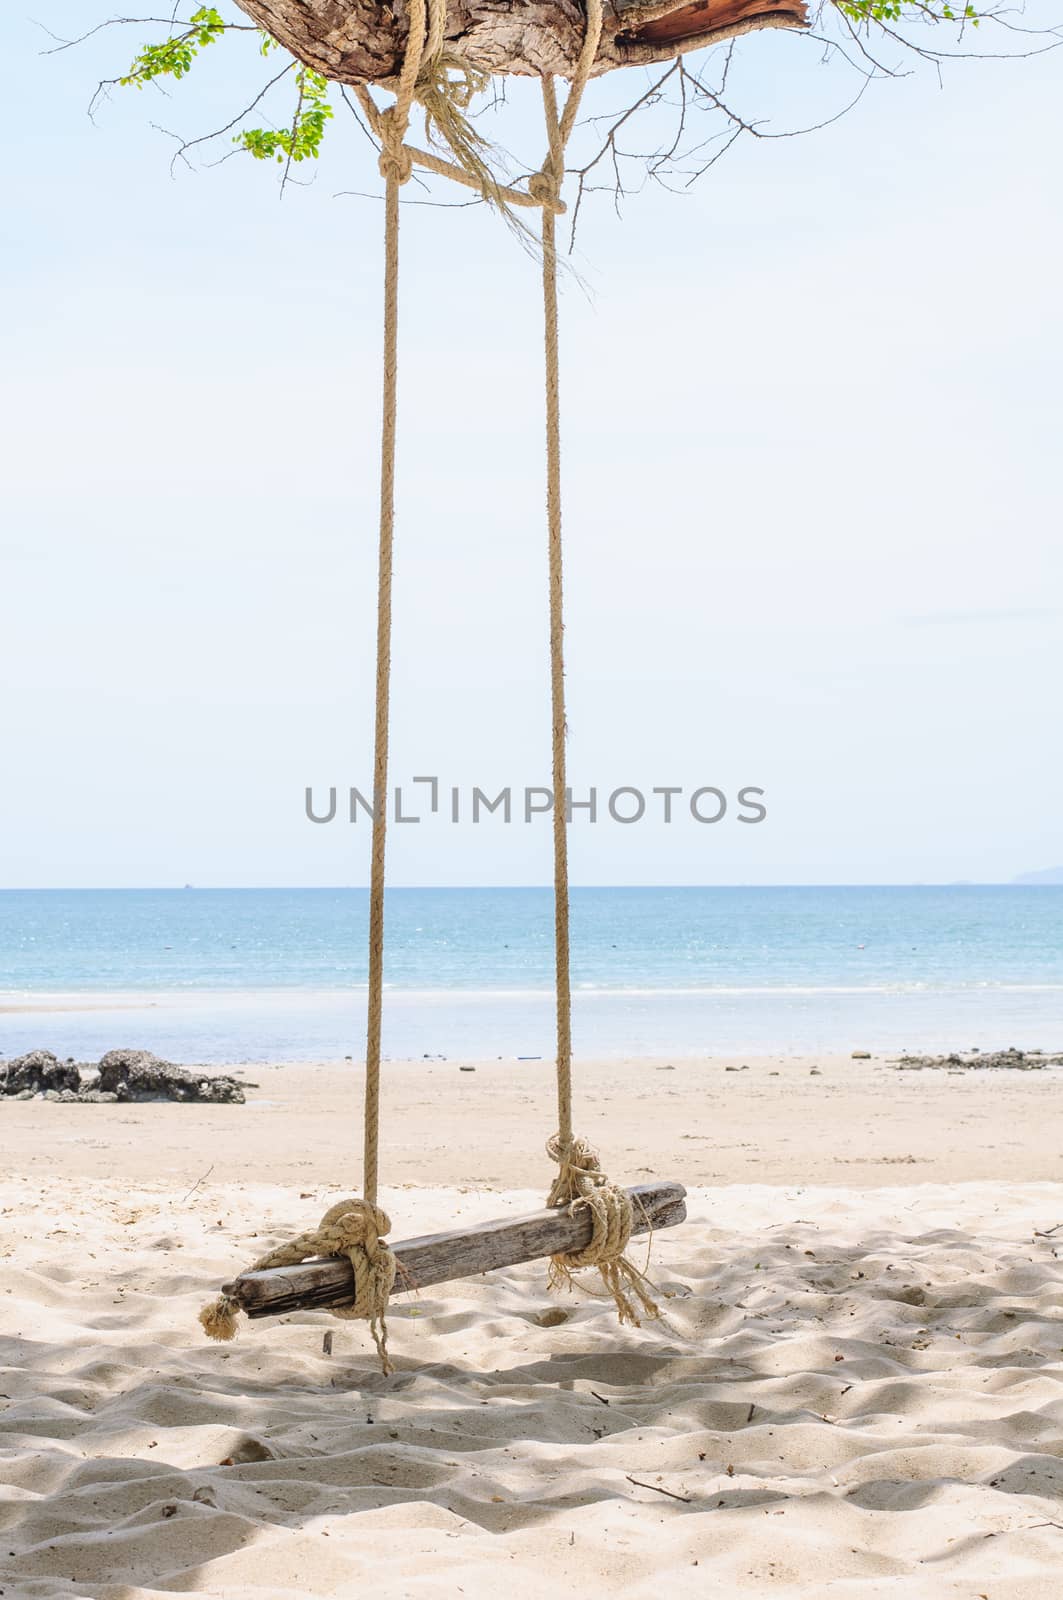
[(440, 1257)]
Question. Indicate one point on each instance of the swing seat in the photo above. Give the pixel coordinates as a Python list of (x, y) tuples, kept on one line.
[(317, 1285)]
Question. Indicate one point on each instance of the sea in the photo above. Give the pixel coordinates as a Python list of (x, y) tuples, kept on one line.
[(228, 975)]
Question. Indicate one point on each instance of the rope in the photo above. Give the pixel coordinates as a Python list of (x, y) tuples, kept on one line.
[(355, 1228), (396, 167), (351, 1228), (580, 1183), (545, 186)]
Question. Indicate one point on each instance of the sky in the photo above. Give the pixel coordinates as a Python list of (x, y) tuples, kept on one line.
[(812, 414)]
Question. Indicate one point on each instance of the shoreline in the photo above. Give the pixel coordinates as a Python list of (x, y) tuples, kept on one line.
[(820, 1119), (225, 1027)]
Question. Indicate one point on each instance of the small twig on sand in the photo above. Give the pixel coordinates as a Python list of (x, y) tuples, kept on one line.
[(600, 1397), (197, 1183), (1046, 1233), (686, 1499)]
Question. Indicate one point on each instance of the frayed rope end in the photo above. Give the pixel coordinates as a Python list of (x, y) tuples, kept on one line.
[(581, 1185), (219, 1319)]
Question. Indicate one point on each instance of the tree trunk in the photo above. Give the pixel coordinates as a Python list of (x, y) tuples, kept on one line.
[(360, 41)]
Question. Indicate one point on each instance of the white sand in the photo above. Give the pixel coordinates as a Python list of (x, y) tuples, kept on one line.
[(857, 1392), (739, 1119)]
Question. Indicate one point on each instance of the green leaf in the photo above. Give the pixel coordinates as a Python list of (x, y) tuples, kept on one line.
[(891, 11), (174, 56), (301, 140)]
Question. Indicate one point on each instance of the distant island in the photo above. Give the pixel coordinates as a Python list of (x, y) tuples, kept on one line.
[(1053, 875)]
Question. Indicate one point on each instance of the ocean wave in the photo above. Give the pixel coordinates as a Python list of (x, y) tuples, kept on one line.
[(298, 995)]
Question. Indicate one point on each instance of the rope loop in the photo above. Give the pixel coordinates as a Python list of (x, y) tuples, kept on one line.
[(353, 1228)]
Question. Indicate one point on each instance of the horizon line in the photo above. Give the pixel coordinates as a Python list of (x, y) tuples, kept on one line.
[(499, 888)]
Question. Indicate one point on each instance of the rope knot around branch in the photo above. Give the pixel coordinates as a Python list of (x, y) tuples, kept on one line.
[(397, 164), (353, 1228), (545, 190), (581, 1185)]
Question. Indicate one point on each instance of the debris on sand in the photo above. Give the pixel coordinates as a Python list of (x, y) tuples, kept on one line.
[(1017, 1060)]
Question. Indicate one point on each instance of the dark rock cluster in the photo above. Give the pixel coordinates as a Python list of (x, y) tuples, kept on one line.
[(39, 1072), (1018, 1060), (121, 1075)]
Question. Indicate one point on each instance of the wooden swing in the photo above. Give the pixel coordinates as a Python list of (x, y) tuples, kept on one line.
[(345, 1264)]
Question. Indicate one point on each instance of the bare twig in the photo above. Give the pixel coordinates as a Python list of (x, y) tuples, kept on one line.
[(356, 114), (609, 145), (657, 1489), (125, 22), (181, 154), (293, 134), (197, 1183)]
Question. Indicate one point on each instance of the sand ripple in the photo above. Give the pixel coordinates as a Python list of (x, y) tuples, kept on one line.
[(853, 1393)]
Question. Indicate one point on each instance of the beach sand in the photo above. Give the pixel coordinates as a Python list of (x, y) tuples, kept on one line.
[(856, 1388)]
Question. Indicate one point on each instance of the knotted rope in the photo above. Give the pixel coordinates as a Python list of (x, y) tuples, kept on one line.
[(546, 185), (436, 78), (351, 1228), (396, 165), (582, 1185), (355, 1228), (580, 1182)]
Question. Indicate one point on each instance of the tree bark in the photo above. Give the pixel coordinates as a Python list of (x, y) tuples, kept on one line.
[(361, 41)]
